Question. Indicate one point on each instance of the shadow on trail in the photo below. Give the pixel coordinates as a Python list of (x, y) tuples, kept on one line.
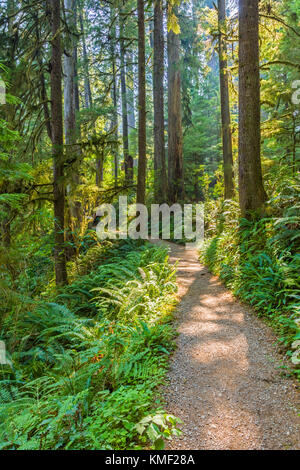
[(223, 381)]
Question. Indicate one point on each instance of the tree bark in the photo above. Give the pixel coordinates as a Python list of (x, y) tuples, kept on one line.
[(225, 105), (175, 157), (87, 83), (71, 127), (130, 94), (57, 148), (124, 100), (160, 176), (114, 121), (75, 59), (69, 78), (142, 163), (44, 96), (251, 190)]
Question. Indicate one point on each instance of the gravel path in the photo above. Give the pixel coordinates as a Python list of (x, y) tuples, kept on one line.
[(224, 381)]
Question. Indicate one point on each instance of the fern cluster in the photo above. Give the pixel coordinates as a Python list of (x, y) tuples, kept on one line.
[(86, 363)]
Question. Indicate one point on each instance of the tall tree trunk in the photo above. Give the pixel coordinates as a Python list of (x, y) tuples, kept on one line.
[(114, 96), (130, 94), (124, 100), (114, 122), (160, 176), (225, 106), (9, 116), (251, 189), (70, 111), (175, 157), (142, 164), (69, 79), (57, 144), (44, 96), (75, 59), (87, 83)]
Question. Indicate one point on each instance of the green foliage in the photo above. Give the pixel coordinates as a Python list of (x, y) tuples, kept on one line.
[(88, 382)]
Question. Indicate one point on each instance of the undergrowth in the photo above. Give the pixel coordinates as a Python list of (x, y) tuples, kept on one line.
[(86, 361), (260, 262)]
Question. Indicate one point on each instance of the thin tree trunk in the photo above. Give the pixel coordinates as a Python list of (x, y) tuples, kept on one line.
[(115, 125), (44, 96), (75, 59), (114, 97), (225, 106), (160, 176), (130, 94), (9, 117), (57, 144), (251, 189), (175, 157), (70, 111), (115, 122), (142, 164), (87, 83), (124, 100), (69, 79)]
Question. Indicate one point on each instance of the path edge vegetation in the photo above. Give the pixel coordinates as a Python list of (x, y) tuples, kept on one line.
[(88, 360)]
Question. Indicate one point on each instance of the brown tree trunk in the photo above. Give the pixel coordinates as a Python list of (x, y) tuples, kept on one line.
[(75, 59), (87, 83), (57, 145), (130, 94), (142, 163), (70, 113), (251, 189), (124, 100), (160, 176), (77, 100), (69, 79), (225, 106), (114, 96), (44, 96), (175, 157), (9, 117), (114, 123)]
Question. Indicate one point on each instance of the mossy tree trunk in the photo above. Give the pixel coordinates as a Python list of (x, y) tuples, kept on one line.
[(225, 105), (57, 147), (251, 190)]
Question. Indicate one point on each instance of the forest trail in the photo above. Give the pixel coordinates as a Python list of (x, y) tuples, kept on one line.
[(224, 381)]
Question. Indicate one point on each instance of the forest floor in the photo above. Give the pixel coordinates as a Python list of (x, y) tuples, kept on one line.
[(226, 381)]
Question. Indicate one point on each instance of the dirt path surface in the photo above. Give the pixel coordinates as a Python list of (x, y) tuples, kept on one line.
[(224, 381)]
